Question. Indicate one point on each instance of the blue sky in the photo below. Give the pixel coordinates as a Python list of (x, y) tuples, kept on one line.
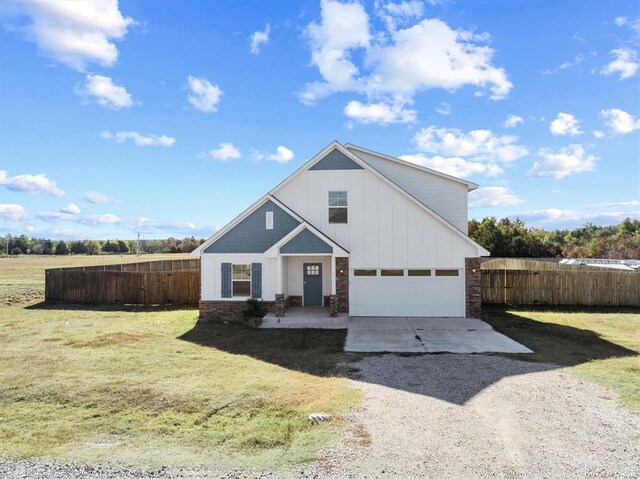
[(170, 118)]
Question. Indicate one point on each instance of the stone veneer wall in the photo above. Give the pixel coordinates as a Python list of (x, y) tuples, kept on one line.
[(342, 284), (473, 287)]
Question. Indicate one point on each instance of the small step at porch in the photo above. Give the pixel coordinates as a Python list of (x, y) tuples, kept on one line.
[(306, 318)]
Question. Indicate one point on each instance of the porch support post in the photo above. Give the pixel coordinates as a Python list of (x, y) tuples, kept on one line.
[(333, 299), (333, 274), (280, 304), (280, 276)]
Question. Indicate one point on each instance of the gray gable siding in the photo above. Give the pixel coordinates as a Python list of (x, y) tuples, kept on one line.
[(305, 242), (251, 235), (336, 160)]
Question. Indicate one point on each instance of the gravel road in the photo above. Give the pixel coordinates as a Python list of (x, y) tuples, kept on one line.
[(450, 416)]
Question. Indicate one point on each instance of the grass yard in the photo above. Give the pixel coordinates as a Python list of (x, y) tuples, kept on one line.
[(152, 387), (599, 344), (22, 277)]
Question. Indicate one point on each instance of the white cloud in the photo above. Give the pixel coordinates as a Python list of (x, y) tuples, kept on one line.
[(259, 38), (12, 212), (30, 184), (344, 26), (381, 113), (225, 151), (106, 219), (625, 63), (75, 33), (565, 124), (106, 93), (204, 96), (563, 162), (599, 134), (139, 139), (282, 155), (444, 108), (394, 14), (493, 196), (620, 21), (478, 144), (70, 209), (616, 204), (559, 217), (512, 121), (396, 63), (620, 121), (97, 198), (150, 226), (454, 166)]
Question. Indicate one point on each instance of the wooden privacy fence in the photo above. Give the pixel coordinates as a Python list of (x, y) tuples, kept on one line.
[(561, 287), (155, 282)]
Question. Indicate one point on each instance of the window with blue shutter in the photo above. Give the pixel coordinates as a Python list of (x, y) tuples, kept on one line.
[(225, 280), (256, 280)]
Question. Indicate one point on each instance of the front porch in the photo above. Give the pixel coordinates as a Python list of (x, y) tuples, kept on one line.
[(297, 317), (311, 277)]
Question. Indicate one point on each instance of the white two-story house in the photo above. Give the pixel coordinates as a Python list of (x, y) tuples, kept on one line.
[(354, 231)]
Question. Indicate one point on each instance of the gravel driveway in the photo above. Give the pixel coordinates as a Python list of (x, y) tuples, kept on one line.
[(452, 416), (483, 416)]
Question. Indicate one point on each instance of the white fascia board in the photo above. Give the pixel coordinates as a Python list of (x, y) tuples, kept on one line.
[(470, 185)]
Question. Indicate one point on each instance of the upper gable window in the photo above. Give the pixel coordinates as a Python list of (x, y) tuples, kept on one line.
[(269, 220), (338, 207)]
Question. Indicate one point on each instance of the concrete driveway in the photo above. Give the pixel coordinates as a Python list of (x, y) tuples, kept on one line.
[(427, 335)]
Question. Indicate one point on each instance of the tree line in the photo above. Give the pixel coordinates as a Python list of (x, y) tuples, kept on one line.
[(16, 245), (504, 238)]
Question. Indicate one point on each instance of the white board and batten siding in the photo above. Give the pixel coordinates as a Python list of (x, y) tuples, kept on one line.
[(211, 274), (385, 229), (446, 197)]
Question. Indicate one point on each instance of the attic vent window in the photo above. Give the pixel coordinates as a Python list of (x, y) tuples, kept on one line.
[(269, 220)]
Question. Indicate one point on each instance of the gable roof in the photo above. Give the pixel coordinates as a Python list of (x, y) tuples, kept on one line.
[(470, 185), (304, 228), (336, 145)]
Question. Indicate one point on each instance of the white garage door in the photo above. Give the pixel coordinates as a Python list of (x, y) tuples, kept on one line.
[(439, 296)]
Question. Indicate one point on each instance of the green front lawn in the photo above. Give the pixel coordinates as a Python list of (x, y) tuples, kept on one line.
[(150, 387)]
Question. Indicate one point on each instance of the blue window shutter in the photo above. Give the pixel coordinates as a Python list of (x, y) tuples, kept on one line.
[(226, 280), (256, 280)]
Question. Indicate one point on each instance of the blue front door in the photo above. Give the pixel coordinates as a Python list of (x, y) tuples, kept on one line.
[(312, 284)]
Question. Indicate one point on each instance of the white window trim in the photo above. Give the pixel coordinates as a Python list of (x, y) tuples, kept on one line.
[(269, 220), (240, 280), (345, 207)]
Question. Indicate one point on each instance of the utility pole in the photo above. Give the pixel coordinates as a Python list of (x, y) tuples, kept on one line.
[(138, 245)]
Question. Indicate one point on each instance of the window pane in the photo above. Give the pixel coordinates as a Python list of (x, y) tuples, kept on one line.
[(419, 272), (337, 215), (337, 198), (313, 270), (446, 272), (365, 272), (392, 272), (242, 288), (241, 271)]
